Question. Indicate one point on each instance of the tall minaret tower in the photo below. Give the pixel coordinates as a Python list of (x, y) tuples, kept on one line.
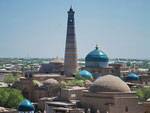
[(70, 63)]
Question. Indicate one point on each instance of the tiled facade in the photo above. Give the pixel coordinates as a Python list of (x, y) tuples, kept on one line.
[(70, 63)]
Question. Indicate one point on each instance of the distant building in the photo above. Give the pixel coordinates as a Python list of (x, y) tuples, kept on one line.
[(70, 62), (54, 66), (97, 63), (109, 94), (34, 89)]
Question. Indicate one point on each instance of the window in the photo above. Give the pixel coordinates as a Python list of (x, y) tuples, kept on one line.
[(70, 20), (126, 109)]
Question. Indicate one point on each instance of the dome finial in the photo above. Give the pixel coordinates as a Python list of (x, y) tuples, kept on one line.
[(97, 46)]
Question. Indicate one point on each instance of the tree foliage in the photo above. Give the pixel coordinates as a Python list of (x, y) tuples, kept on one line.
[(78, 81), (10, 97), (75, 82), (10, 78), (143, 94), (78, 77)]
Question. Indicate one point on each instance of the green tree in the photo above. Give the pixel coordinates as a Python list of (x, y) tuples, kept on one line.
[(78, 77), (75, 82), (143, 94), (10, 97), (10, 79)]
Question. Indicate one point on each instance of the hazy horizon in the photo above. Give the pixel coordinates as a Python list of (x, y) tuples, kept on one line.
[(35, 28)]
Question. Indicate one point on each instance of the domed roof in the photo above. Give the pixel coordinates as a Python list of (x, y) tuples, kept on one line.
[(51, 81), (97, 55), (109, 83), (132, 76), (86, 74), (57, 60), (26, 105)]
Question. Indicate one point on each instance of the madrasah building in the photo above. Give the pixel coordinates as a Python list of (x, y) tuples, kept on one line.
[(107, 93)]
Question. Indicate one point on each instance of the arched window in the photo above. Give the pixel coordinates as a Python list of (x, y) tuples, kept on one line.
[(126, 109)]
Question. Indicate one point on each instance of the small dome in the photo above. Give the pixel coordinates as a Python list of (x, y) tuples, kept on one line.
[(51, 82), (132, 76), (109, 83), (96, 58), (26, 105), (86, 74)]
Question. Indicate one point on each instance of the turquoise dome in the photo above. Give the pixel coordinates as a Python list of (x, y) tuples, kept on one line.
[(132, 76), (96, 58), (86, 74), (97, 55), (26, 105)]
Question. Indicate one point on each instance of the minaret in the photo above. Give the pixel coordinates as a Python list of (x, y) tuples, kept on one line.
[(70, 63)]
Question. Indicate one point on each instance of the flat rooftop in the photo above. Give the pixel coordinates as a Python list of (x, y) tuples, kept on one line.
[(47, 75), (59, 103)]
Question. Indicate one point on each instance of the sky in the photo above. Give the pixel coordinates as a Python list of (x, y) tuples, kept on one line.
[(37, 28)]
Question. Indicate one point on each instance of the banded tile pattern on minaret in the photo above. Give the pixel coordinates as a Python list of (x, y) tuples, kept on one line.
[(70, 63)]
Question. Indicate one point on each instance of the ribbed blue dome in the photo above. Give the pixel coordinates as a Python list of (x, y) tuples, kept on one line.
[(86, 74), (26, 105), (96, 59), (132, 76), (97, 56)]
